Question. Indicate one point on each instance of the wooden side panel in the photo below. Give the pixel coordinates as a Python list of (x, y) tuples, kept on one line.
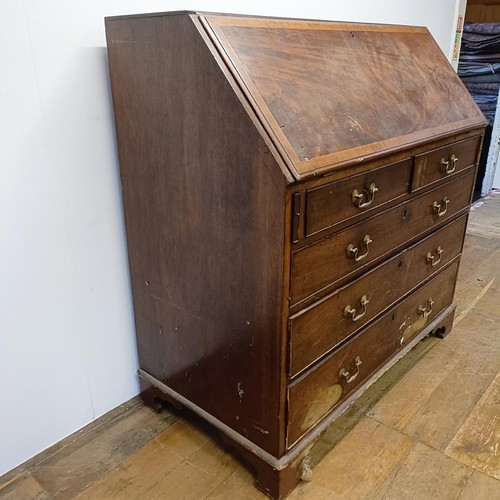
[(204, 209), (334, 92)]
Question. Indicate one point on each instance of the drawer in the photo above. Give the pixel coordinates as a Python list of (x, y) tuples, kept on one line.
[(347, 199), (319, 391), (443, 162), (324, 325), (317, 268)]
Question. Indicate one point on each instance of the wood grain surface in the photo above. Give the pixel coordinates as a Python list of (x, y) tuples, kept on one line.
[(209, 196), (478, 440), (204, 203), (332, 92), (317, 268), (444, 162), (333, 203), (382, 286), (315, 394)]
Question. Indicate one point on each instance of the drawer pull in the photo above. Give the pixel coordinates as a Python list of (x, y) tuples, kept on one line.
[(431, 259), (353, 252), (351, 312), (359, 198), (446, 164), (426, 310), (346, 376), (440, 208)]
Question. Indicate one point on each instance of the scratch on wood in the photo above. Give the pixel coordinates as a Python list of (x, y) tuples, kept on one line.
[(260, 429), (240, 391)]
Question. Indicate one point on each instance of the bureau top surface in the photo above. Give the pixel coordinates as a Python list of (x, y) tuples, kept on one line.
[(332, 92), (329, 94)]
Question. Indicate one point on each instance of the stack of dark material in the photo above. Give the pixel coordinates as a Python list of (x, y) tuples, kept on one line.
[(479, 65)]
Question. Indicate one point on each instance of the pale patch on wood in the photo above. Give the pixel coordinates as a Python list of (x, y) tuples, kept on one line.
[(409, 330), (322, 401), (440, 391)]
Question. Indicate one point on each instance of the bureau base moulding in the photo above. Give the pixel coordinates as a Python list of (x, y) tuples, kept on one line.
[(278, 477)]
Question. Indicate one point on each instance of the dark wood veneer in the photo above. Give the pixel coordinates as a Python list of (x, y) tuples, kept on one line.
[(316, 268), (186, 199), (331, 204), (444, 162), (242, 141), (319, 391), (311, 82), (316, 330)]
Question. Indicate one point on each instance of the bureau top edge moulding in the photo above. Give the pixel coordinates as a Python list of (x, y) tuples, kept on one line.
[(274, 171)]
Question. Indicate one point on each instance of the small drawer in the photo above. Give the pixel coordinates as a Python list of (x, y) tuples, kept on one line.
[(318, 392), (347, 199), (323, 326), (440, 163), (318, 268)]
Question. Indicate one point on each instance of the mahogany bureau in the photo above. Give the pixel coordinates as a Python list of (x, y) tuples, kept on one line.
[(295, 197)]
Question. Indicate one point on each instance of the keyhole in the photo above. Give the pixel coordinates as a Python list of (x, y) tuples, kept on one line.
[(405, 213)]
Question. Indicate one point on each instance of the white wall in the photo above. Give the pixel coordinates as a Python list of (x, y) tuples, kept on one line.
[(496, 178), (67, 349)]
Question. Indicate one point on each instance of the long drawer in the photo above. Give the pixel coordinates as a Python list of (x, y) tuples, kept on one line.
[(320, 266), (321, 327), (311, 397)]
